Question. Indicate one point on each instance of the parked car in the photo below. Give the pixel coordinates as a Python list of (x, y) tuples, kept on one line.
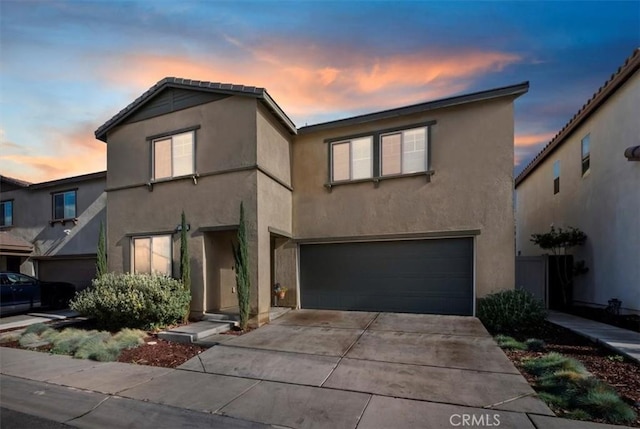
[(20, 292)]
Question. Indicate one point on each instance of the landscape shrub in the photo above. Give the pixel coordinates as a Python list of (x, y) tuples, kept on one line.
[(133, 301), (511, 312), (37, 328), (93, 344), (565, 384), (535, 345), (509, 343)]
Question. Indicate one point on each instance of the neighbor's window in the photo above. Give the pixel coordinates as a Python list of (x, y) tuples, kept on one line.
[(404, 152), (556, 177), (152, 255), (64, 205), (586, 153), (352, 159), (173, 156), (6, 213)]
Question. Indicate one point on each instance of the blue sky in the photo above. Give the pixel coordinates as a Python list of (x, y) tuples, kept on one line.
[(67, 67)]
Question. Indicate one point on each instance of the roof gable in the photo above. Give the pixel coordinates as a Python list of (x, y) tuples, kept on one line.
[(186, 91)]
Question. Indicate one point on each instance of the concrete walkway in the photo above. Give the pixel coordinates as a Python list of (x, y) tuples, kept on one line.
[(623, 341), (332, 370)]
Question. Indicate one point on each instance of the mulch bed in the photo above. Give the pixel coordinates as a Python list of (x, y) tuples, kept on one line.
[(622, 375), (157, 352)]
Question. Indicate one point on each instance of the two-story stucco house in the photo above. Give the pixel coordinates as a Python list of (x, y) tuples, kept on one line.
[(50, 230), (588, 177), (409, 209)]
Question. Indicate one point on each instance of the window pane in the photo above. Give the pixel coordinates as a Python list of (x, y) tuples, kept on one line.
[(161, 255), (340, 161), (58, 206), (142, 255), (556, 169), (414, 153), (183, 154), (361, 163), (391, 154), (585, 146), (69, 205), (162, 159), (8, 213)]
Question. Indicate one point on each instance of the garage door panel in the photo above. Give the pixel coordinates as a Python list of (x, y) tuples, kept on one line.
[(419, 276)]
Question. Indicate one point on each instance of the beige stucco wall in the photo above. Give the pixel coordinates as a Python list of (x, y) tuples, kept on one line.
[(472, 188), (32, 213), (234, 133), (605, 203)]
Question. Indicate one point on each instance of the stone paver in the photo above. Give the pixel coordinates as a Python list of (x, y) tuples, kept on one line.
[(384, 412), (429, 324), (327, 319), (286, 367), (452, 351), (312, 340), (46, 400), (454, 386), (210, 392), (111, 377), (298, 406)]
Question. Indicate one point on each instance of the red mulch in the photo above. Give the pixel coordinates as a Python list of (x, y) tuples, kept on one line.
[(157, 352), (623, 376)]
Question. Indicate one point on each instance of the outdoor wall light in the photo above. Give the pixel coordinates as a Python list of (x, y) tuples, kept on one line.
[(179, 227)]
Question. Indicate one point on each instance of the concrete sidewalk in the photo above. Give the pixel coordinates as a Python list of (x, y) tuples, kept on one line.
[(623, 341)]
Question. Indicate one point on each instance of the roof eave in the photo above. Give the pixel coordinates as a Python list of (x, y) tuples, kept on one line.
[(624, 73), (507, 91)]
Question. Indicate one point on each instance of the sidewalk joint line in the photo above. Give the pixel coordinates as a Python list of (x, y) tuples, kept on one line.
[(506, 401), (91, 410)]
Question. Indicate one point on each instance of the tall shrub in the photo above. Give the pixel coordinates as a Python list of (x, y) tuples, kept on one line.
[(101, 264), (185, 266), (511, 312), (243, 284)]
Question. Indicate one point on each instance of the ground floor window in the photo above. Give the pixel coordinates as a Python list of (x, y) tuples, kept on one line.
[(152, 255)]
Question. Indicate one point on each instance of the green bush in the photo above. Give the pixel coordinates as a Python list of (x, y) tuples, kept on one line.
[(535, 345), (37, 329), (551, 363), (133, 301), (30, 340), (511, 312), (509, 343)]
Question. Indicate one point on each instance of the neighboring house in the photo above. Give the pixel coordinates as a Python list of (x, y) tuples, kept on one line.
[(50, 230), (409, 209), (588, 177)]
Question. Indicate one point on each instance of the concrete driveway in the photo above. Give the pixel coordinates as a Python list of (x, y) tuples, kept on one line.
[(374, 370)]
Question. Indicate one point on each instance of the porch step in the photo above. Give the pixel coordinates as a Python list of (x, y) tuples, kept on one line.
[(195, 331), (234, 319)]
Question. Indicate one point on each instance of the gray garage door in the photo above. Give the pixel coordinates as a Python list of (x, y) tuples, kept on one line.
[(413, 276), (79, 271)]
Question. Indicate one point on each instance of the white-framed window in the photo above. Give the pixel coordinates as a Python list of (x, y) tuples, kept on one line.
[(173, 156), (403, 152), (556, 177), (6, 213), (352, 159), (152, 255), (64, 205), (586, 153)]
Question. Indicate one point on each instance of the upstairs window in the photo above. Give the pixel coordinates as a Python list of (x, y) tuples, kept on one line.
[(64, 205), (403, 152), (152, 255), (6, 213), (173, 156), (586, 153), (556, 177), (352, 159)]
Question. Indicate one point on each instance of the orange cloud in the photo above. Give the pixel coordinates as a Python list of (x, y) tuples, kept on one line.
[(75, 152), (532, 139), (312, 80)]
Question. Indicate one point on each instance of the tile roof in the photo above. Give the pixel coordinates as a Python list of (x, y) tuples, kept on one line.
[(617, 79), (217, 87), (12, 243)]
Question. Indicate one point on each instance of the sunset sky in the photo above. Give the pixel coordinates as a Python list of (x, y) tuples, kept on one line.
[(67, 67)]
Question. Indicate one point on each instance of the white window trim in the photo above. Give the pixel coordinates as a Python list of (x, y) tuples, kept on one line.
[(153, 156)]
